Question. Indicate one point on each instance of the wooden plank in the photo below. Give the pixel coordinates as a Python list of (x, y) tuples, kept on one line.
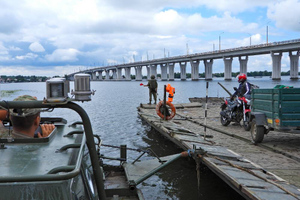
[(248, 185)]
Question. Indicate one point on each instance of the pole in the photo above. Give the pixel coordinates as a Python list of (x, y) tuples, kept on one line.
[(165, 102), (123, 153), (198, 177), (206, 99), (225, 89), (267, 33), (219, 42)]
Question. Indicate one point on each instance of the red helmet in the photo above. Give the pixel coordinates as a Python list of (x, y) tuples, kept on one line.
[(242, 77)]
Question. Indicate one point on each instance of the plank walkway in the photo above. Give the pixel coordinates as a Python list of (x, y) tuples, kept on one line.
[(229, 156)]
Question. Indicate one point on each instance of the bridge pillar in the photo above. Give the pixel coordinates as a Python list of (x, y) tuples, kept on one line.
[(228, 68), (114, 74), (153, 70), (148, 72), (294, 65), (100, 78), (138, 73), (182, 70), (119, 73), (94, 77), (107, 75), (276, 65), (208, 69), (171, 71), (195, 70), (243, 64), (164, 73), (127, 74)]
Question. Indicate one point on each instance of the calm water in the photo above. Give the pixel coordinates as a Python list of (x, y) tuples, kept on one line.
[(114, 117)]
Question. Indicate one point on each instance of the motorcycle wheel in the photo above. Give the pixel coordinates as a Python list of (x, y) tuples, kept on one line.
[(257, 132), (224, 120), (247, 124)]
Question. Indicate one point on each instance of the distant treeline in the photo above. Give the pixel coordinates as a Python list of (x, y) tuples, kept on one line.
[(20, 78)]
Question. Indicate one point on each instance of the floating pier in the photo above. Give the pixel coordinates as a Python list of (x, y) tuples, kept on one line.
[(270, 170)]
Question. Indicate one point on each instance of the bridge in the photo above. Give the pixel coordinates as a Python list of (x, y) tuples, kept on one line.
[(275, 49)]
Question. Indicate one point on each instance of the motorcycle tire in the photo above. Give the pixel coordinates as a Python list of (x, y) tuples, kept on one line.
[(247, 123), (224, 120)]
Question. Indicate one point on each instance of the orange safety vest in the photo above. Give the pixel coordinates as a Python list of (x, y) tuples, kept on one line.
[(171, 91)]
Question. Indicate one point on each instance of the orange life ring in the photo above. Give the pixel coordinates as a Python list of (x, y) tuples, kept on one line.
[(3, 114), (159, 110)]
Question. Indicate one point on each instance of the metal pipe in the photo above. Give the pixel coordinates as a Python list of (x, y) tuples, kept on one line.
[(183, 154), (69, 146)]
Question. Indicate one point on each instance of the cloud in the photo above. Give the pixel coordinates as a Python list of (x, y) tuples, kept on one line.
[(286, 14), (227, 23), (63, 55), (96, 32), (10, 21), (3, 49), (36, 47), (13, 48), (51, 71), (234, 6), (27, 56)]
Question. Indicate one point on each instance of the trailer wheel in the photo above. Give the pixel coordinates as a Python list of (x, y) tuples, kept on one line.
[(257, 132), (247, 123)]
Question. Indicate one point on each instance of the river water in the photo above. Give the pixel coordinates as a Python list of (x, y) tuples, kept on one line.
[(114, 117)]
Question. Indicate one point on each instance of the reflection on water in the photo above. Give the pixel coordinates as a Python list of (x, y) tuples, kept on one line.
[(114, 117)]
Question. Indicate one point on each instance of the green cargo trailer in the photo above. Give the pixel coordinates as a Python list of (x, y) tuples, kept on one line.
[(277, 108)]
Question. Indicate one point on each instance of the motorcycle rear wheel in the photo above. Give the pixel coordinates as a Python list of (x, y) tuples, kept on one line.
[(224, 120)]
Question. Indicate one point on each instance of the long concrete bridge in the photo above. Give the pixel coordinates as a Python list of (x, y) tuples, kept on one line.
[(275, 49)]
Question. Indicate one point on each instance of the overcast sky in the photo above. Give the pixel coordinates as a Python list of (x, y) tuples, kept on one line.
[(57, 37)]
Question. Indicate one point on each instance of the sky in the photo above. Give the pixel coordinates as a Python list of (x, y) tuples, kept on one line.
[(58, 37)]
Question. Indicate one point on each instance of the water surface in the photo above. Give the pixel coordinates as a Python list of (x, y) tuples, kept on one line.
[(114, 117)]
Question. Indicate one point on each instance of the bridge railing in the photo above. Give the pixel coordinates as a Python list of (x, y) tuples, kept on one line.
[(199, 54)]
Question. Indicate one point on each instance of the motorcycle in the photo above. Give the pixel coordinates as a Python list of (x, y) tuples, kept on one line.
[(235, 110)]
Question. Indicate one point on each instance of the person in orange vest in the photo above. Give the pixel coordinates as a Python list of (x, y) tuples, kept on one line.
[(171, 91)]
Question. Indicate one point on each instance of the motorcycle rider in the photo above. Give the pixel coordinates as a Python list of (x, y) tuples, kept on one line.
[(244, 88)]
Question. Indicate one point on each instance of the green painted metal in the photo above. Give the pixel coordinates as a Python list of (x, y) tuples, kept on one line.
[(278, 103), (40, 161)]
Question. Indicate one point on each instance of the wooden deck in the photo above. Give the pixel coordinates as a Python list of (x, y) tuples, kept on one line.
[(228, 152)]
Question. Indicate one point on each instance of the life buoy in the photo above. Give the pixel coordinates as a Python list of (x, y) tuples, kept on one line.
[(3, 114), (170, 107)]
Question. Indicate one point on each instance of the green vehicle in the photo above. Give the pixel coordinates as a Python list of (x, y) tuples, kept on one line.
[(274, 109), (68, 163)]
